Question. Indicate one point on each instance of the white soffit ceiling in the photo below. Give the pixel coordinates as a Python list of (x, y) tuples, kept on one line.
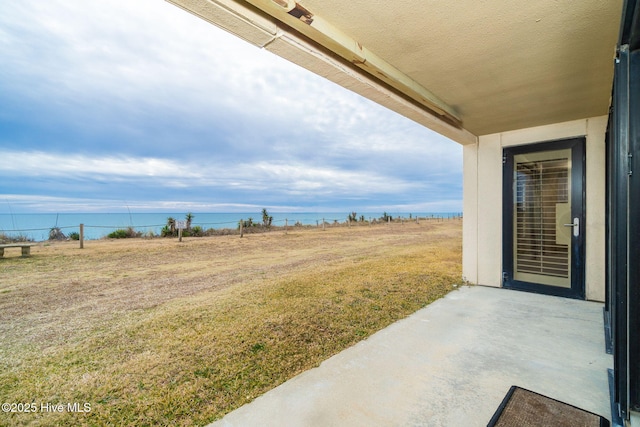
[(494, 65), (503, 64)]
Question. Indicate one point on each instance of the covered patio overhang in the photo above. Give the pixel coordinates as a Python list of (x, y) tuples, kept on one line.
[(464, 70), (493, 76), (487, 75)]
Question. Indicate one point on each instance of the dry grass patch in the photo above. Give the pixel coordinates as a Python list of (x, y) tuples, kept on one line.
[(224, 330)]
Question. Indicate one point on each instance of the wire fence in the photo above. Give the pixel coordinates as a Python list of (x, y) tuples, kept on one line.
[(196, 229)]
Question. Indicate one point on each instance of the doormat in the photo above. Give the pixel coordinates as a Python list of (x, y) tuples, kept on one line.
[(524, 408)]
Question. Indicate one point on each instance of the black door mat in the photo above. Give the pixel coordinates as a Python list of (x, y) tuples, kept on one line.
[(524, 408)]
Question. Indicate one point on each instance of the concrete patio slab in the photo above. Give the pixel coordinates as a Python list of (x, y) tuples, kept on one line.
[(450, 364)]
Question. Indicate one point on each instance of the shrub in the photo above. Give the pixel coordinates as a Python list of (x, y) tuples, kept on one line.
[(56, 234), (5, 238), (170, 228), (189, 218), (124, 233), (74, 235), (246, 224), (266, 218), (118, 234)]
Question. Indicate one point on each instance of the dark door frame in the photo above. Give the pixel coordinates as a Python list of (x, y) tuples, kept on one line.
[(623, 209), (578, 185)]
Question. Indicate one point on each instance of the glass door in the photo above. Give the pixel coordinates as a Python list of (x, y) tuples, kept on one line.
[(544, 218)]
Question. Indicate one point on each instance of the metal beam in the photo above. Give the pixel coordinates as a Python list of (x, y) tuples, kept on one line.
[(264, 31), (325, 34)]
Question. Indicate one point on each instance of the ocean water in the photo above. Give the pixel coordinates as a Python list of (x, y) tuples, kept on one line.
[(97, 225)]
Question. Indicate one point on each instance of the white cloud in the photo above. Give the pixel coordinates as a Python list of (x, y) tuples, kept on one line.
[(13, 203), (149, 53), (300, 178), (38, 163), (189, 106), (288, 178)]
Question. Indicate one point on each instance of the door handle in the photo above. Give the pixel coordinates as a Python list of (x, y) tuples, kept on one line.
[(575, 225)]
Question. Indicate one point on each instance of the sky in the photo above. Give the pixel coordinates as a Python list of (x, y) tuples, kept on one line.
[(120, 105)]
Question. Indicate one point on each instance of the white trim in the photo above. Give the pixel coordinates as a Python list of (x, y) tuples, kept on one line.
[(483, 194)]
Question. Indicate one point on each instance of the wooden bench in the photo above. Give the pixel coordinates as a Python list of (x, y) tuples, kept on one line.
[(26, 248)]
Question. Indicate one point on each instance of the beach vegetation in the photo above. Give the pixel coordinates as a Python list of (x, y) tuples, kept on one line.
[(55, 233), (169, 230), (124, 233), (74, 235), (189, 219), (14, 238), (246, 223), (266, 218)]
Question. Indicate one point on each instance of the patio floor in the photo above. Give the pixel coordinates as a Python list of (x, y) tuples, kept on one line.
[(450, 364)]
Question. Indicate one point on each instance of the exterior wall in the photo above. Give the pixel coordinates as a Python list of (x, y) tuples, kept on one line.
[(470, 213), (482, 228), (490, 211)]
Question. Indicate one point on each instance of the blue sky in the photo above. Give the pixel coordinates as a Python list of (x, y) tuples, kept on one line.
[(109, 105)]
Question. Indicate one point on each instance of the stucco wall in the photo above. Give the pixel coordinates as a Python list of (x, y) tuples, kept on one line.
[(482, 228)]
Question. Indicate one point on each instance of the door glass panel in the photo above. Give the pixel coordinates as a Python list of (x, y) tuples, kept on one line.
[(542, 207)]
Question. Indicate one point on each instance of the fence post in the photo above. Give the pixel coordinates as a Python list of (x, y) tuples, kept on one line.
[(323, 224), (81, 236), (180, 234), (241, 227), (286, 225)]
